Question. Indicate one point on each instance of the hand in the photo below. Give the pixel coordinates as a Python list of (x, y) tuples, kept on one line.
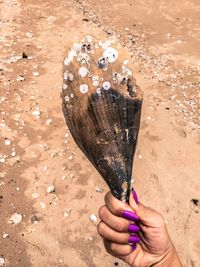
[(136, 234)]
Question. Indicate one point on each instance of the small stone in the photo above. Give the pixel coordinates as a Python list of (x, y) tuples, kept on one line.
[(35, 195), (34, 219), (51, 189), (140, 156), (13, 154), (15, 218)]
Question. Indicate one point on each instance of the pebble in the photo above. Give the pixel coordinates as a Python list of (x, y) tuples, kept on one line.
[(67, 212), (36, 113), (2, 261), (93, 218), (8, 142), (50, 189), (34, 219), (15, 218), (5, 235)]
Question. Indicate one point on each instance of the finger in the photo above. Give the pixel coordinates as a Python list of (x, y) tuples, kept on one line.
[(108, 233), (116, 206), (116, 223), (121, 238), (117, 249)]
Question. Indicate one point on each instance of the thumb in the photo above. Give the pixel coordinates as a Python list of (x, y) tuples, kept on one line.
[(145, 214)]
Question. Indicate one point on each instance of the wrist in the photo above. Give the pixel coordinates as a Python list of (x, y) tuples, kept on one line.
[(170, 259)]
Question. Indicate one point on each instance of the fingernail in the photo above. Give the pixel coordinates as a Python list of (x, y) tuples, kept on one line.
[(133, 228), (133, 247), (135, 196), (129, 215), (134, 239)]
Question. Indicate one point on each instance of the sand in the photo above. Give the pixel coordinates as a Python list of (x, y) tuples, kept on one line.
[(45, 180)]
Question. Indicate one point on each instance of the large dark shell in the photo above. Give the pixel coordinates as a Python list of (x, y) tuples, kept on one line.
[(103, 116)]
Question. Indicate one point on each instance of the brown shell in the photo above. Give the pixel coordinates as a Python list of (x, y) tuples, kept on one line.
[(104, 117)]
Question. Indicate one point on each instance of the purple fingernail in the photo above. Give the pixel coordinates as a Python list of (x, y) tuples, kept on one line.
[(133, 228), (135, 196), (133, 247), (134, 239), (129, 215)]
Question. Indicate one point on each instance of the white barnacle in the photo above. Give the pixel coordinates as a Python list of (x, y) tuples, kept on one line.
[(66, 98), (64, 86), (72, 54), (95, 83), (67, 61), (83, 88), (70, 77), (95, 78), (98, 90), (110, 54), (83, 71), (106, 85)]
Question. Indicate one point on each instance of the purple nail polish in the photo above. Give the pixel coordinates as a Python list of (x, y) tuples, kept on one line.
[(135, 196), (133, 228), (134, 239), (129, 215), (133, 247)]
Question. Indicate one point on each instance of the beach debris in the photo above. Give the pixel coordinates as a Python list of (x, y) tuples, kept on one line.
[(34, 219), (93, 218), (15, 218), (36, 113), (99, 189), (5, 235), (51, 189), (35, 195), (2, 261), (67, 212), (8, 142)]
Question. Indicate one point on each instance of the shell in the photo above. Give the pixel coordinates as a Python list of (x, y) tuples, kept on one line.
[(102, 108)]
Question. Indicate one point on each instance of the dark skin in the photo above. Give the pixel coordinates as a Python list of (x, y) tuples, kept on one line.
[(155, 247)]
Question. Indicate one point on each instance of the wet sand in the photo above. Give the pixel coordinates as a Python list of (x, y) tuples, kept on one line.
[(37, 150)]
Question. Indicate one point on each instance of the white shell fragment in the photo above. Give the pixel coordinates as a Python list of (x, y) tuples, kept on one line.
[(83, 88), (15, 218), (93, 218), (106, 85), (8, 142), (2, 261)]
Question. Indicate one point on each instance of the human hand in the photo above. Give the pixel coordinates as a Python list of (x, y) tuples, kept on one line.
[(136, 234)]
